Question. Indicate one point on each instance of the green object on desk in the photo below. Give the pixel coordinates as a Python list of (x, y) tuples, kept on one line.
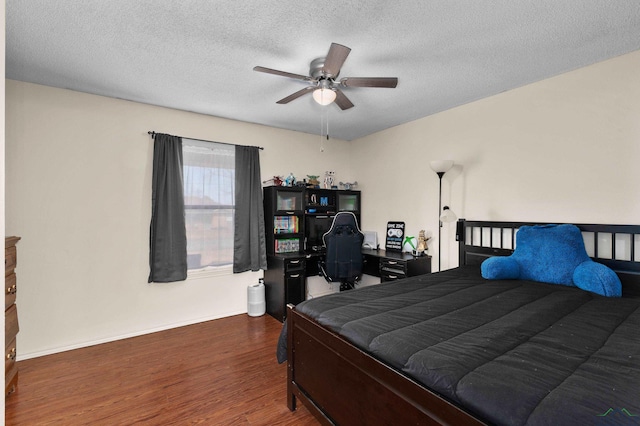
[(409, 240)]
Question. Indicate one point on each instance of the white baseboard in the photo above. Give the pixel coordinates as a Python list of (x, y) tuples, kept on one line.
[(22, 357)]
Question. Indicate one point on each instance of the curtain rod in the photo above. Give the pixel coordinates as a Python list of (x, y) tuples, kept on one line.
[(153, 135)]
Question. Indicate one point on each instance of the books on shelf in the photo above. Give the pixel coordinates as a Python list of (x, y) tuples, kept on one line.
[(288, 245), (285, 224)]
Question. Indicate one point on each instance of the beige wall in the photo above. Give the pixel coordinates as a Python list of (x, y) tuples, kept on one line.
[(78, 188), (566, 149), (79, 195)]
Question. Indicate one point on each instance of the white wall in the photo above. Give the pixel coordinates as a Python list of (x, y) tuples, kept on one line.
[(566, 149), (79, 194), (78, 188)]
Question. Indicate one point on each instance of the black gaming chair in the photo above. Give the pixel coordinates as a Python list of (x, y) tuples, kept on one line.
[(343, 260)]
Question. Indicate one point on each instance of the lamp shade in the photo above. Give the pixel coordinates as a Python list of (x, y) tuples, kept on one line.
[(324, 96), (447, 215), (438, 166)]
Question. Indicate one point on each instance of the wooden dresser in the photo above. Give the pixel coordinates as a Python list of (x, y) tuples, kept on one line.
[(10, 315)]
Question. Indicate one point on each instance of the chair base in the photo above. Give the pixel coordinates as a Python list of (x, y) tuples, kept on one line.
[(347, 286)]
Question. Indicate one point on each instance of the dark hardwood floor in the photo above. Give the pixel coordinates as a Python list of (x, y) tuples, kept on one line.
[(221, 372)]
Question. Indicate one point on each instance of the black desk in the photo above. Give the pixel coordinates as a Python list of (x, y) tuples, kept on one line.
[(393, 265), (285, 277)]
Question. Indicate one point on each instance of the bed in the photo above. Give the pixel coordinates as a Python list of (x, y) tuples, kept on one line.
[(495, 352)]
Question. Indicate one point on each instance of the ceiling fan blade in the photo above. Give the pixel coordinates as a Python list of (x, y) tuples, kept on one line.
[(369, 82), (282, 73), (296, 95), (335, 58), (342, 101)]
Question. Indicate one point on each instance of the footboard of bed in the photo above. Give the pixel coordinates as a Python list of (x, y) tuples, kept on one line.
[(340, 384)]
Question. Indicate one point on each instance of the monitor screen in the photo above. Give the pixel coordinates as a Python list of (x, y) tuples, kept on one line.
[(315, 228), (348, 203)]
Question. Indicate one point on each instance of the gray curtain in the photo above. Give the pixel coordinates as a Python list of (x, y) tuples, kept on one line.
[(168, 245), (249, 252)]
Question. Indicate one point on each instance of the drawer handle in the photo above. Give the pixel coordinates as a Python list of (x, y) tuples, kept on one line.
[(11, 290), (295, 276), (295, 261), (392, 262), (12, 354), (393, 277), (290, 212)]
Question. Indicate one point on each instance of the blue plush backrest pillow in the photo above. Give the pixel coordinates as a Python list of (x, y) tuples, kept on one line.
[(553, 254)]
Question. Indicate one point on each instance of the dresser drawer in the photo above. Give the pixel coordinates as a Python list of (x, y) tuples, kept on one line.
[(10, 290), (10, 365), (10, 259), (10, 360), (11, 327), (11, 323), (10, 380)]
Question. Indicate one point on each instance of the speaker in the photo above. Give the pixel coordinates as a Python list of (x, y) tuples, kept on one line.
[(370, 240)]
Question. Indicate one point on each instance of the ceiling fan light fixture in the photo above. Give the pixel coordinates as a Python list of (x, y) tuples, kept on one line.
[(324, 96), (323, 73)]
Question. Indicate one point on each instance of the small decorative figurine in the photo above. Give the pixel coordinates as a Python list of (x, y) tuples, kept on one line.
[(313, 181), (348, 185), (328, 179), (421, 249), (290, 180), (275, 181)]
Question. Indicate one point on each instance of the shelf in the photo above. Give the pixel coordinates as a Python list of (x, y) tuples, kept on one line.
[(295, 217)]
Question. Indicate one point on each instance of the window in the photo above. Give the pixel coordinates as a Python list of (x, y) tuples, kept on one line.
[(209, 189)]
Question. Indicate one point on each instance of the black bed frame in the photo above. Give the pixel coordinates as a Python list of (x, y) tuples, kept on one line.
[(341, 384)]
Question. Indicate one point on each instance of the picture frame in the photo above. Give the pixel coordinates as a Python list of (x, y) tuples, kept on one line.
[(395, 236)]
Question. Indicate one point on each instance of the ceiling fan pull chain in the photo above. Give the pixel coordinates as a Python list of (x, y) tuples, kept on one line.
[(321, 129), (327, 112)]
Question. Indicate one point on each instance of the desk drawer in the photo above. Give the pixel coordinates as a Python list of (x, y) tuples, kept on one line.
[(392, 269), (394, 264), (390, 275), (294, 265)]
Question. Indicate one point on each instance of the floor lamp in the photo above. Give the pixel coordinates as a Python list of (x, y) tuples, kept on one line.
[(440, 167)]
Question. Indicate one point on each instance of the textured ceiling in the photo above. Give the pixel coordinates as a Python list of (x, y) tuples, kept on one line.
[(199, 55)]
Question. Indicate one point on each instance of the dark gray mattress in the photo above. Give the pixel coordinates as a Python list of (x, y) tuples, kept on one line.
[(510, 352)]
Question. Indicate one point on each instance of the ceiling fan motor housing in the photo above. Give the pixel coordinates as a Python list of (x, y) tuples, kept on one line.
[(316, 70)]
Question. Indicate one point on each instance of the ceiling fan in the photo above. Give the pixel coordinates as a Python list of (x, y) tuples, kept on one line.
[(322, 79)]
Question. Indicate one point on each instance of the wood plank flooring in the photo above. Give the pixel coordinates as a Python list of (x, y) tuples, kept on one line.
[(221, 372)]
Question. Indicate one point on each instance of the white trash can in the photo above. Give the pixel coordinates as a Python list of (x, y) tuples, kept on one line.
[(256, 304)]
